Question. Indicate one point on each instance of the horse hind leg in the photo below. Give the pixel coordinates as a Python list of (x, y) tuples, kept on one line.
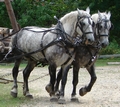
[(88, 88), (15, 70), (30, 66)]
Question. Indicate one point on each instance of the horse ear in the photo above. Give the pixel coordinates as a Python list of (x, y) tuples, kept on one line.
[(109, 14), (105, 12), (88, 10), (112, 26), (79, 12), (100, 16)]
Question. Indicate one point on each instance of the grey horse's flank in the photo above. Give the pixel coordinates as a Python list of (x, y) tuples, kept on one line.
[(55, 45)]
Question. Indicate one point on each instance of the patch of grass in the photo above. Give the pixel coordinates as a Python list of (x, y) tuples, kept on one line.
[(10, 65), (103, 62), (99, 62), (6, 100)]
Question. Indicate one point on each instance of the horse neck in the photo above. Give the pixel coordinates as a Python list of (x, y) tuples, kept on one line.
[(69, 23)]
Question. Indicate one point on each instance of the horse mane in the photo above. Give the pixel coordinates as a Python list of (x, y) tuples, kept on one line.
[(72, 15), (70, 20), (69, 16)]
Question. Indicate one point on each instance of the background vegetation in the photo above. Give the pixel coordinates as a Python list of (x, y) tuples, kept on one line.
[(41, 12)]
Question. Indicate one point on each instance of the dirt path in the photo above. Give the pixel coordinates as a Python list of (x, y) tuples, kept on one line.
[(105, 92)]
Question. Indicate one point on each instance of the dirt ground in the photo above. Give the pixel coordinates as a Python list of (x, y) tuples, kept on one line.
[(105, 92)]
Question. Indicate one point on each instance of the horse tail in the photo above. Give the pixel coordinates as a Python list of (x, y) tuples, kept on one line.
[(12, 45)]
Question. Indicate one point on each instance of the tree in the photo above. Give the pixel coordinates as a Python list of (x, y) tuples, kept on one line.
[(41, 12)]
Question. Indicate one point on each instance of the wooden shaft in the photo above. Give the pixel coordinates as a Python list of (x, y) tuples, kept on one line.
[(11, 15)]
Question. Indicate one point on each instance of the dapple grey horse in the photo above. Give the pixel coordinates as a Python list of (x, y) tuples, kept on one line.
[(55, 45), (87, 55)]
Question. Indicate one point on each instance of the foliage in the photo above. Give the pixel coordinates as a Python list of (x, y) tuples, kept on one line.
[(113, 48), (5, 98), (41, 12)]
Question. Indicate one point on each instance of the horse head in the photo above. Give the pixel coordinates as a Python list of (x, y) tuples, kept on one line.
[(103, 27), (84, 25)]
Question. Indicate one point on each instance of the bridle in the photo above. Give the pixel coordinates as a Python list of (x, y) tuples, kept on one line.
[(105, 26), (80, 25)]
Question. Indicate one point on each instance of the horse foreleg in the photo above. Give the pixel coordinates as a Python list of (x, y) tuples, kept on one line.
[(50, 86), (30, 66), (59, 77), (63, 83), (15, 71), (56, 86), (88, 88), (75, 81)]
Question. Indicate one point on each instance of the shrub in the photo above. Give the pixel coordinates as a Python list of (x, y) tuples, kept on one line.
[(113, 48)]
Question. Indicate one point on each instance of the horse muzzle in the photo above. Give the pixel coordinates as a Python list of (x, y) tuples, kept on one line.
[(89, 39), (104, 45)]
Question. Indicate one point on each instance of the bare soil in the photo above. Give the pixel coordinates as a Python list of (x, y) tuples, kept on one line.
[(105, 92)]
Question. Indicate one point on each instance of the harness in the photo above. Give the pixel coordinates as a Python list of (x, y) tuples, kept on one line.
[(62, 37), (97, 47), (93, 57)]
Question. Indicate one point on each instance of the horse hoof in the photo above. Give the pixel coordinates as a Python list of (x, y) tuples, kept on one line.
[(48, 88), (82, 91), (74, 99), (61, 100), (29, 96), (57, 94), (14, 94), (54, 99)]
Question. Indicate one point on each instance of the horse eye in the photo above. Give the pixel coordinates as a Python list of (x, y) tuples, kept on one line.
[(82, 23), (100, 27), (93, 24)]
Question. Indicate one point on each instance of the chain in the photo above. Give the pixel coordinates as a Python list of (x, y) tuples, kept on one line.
[(8, 74), (38, 78)]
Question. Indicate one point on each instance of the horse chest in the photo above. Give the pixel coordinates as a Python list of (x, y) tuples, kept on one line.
[(83, 57)]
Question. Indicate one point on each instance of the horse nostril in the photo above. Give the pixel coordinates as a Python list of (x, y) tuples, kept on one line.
[(89, 40), (104, 45)]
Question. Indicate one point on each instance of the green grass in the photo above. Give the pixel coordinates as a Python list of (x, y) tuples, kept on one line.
[(10, 65), (6, 100), (103, 62), (99, 62)]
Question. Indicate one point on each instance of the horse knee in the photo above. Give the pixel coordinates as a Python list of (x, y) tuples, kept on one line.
[(75, 82)]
